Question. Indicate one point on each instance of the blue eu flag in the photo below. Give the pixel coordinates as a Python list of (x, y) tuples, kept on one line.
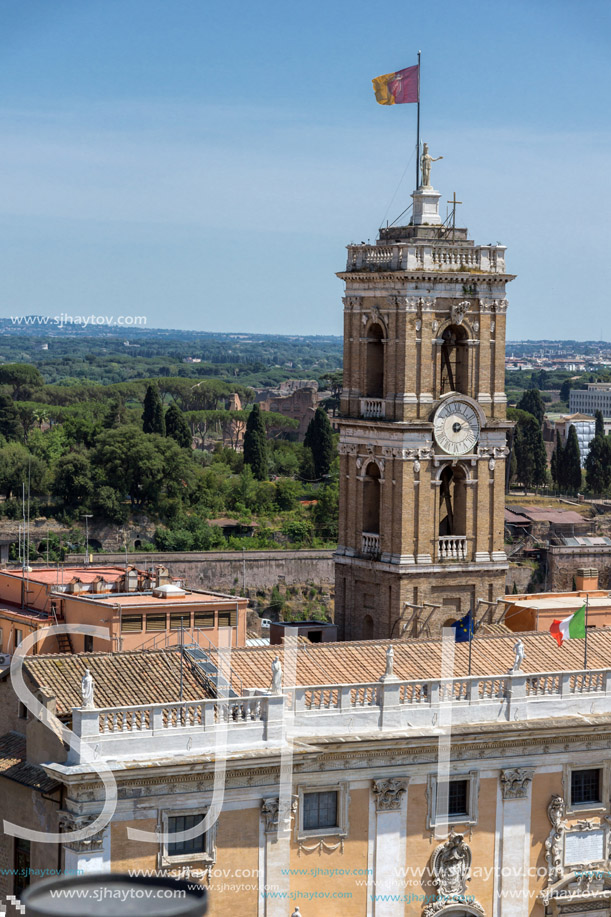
[(463, 629)]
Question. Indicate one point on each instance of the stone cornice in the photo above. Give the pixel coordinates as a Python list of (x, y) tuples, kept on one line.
[(393, 276), (354, 753)]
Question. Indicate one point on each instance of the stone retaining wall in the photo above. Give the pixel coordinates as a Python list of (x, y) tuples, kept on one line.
[(226, 570)]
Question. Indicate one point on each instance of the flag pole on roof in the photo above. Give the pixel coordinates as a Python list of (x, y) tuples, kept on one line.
[(585, 642), (398, 88), (418, 138)]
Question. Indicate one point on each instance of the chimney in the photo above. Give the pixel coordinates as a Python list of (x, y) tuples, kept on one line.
[(131, 580), (162, 576), (586, 579), (75, 586)]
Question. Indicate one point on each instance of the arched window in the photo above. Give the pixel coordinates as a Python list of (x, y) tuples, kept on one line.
[(374, 368), (367, 628), (453, 501), (371, 500), (454, 368)]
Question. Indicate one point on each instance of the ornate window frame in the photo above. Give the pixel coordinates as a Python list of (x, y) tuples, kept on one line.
[(435, 818), (343, 799), (605, 785), (206, 856)]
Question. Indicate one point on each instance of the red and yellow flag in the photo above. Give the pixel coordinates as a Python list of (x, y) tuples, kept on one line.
[(397, 88)]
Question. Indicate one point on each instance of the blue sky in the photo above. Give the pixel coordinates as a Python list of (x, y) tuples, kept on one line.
[(205, 164)]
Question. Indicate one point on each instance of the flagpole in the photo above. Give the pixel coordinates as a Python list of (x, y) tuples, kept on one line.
[(418, 130), (471, 624), (585, 642)]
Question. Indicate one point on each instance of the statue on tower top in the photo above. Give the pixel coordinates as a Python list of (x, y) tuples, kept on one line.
[(425, 165)]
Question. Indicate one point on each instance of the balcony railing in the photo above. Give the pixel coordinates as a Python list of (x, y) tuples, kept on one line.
[(207, 726), (426, 255), (373, 407), (370, 544), (452, 547)]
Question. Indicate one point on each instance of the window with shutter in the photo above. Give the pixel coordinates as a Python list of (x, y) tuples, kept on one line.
[(203, 619)]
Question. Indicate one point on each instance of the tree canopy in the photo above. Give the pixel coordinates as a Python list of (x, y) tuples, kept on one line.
[(255, 444), (319, 438)]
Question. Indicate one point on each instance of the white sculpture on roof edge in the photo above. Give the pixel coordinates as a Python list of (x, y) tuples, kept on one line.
[(389, 674), (87, 689), (518, 649), (276, 676)]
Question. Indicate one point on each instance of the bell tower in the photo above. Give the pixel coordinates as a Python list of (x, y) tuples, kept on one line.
[(422, 429)]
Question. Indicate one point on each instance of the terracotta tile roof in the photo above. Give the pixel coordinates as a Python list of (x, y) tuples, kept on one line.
[(365, 661), (121, 679), (65, 574), (13, 765), (153, 676)]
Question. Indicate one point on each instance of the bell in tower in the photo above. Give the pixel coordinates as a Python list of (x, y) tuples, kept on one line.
[(422, 428)]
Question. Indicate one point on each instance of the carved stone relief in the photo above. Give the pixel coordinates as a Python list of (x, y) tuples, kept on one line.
[(515, 782), (553, 845), (352, 302), (274, 815), (388, 793), (451, 867), (70, 822), (458, 311)]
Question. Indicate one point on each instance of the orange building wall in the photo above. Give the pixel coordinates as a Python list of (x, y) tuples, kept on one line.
[(351, 866), (234, 888), (126, 854)]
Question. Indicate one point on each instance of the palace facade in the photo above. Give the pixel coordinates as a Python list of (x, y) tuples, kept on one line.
[(373, 780)]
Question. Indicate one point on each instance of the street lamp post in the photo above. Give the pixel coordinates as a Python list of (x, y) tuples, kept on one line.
[(87, 517)]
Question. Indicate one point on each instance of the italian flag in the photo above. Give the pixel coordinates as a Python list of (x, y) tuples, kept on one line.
[(571, 628)]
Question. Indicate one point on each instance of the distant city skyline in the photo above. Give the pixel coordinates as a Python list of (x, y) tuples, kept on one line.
[(206, 166)]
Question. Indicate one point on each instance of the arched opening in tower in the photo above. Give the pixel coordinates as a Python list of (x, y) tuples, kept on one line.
[(367, 628), (454, 369), (453, 501), (374, 380), (371, 500)]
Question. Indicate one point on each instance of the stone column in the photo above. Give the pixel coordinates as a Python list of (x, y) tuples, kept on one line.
[(275, 859), (515, 842), (427, 359), (405, 518), (483, 510), (390, 844), (92, 854)]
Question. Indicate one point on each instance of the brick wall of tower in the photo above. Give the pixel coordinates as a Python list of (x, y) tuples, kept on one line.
[(371, 591), (414, 304)]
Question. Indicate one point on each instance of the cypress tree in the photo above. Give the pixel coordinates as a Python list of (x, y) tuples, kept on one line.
[(532, 402), (531, 457), (152, 415), (10, 427), (557, 463), (525, 465), (572, 461), (319, 438), (255, 444), (177, 427), (599, 429)]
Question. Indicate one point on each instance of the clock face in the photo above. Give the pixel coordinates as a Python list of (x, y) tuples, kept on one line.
[(456, 427)]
